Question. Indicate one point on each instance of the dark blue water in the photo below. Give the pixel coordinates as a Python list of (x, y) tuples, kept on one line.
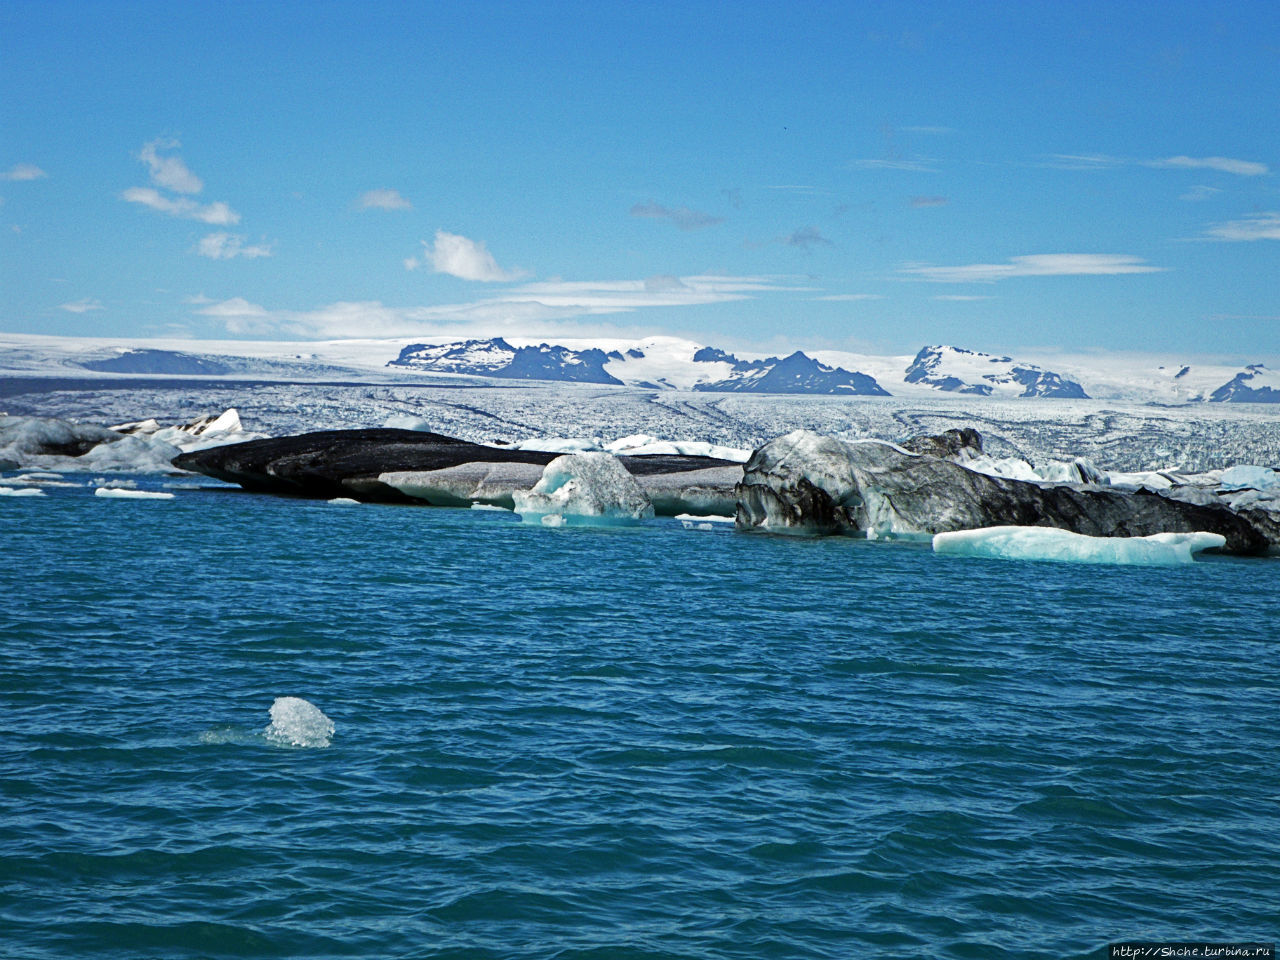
[(655, 742)]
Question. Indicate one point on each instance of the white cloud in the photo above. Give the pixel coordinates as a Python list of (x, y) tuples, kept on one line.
[(23, 171), (1037, 265), (1263, 226), (384, 200), (169, 171), (1241, 168), (845, 297), (83, 305), (682, 217), (412, 263), (227, 246), (467, 259), (530, 310), (217, 214)]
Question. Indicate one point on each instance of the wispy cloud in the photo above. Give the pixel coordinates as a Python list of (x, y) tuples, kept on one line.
[(1102, 161), (526, 309), (929, 201), (217, 214), (1036, 265), (83, 305), (1084, 161), (1262, 226), (384, 200), (916, 164), (846, 297), (1200, 192), (1241, 168), (805, 238), (458, 256), (23, 171), (169, 170), (682, 217), (228, 246)]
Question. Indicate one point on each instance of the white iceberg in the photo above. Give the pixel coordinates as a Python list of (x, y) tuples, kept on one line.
[(344, 502), (123, 493), (584, 488), (298, 723), (1047, 543), (21, 492)]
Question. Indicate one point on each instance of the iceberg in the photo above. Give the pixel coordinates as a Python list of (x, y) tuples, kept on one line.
[(808, 483), (584, 488), (298, 723), (1047, 543)]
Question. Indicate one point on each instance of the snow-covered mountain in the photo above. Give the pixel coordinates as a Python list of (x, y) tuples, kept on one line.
[(1254, 384), (797, 373), (497, 358), (957, 370), (657, 362)]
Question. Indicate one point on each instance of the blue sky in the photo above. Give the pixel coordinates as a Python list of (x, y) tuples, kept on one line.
[(859, 176)]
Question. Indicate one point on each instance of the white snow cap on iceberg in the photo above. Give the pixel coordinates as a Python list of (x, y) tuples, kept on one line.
[(1048, 543), (584, 488)]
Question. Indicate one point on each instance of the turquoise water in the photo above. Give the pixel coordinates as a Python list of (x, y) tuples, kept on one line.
[(655, 742)]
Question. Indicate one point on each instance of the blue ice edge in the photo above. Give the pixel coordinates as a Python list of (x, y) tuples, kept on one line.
[(1047, 543)]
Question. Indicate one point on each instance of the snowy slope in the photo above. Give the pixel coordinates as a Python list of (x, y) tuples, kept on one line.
[(957, 370), (658, 363)]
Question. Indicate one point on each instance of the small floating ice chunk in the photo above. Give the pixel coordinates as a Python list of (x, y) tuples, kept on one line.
[(584, 488), (120, 493), (712, 518), (344, 502), (21, 492), (1047, 543), (298, 723)]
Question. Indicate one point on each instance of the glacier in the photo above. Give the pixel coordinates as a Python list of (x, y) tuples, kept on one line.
[(1047, 543), (584, 488)]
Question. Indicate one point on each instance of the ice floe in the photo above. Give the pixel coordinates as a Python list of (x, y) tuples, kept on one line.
[(1046, 543), (296, 722), (344, 502), (584, 488), (121, 493), (21, 492)]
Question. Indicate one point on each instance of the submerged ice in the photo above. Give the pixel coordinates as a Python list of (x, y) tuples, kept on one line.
[(584, 488), (1047, 543), (298, 723)]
